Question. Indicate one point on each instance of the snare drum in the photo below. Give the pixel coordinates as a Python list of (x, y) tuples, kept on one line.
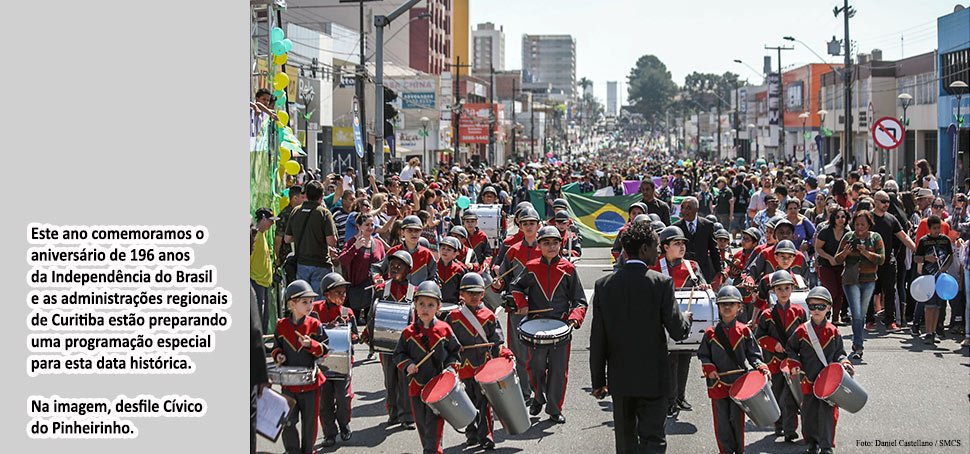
[(489, 222), (446, 309), (543, 332), (837, 388), (292, 375), (446, 396), (752, 392), (389, 320), (704, 310), (338, 362)]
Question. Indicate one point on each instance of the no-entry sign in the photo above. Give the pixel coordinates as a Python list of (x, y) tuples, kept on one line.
[(888, 133)]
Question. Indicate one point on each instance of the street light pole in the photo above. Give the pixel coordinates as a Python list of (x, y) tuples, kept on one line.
[(905, 100), (957, 87), (821, 124), (804, 116)]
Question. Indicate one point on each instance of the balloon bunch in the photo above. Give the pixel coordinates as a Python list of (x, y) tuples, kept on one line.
[(279, 46)]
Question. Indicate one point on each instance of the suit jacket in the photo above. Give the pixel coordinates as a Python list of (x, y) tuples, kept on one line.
[(702, 247), (257, 352), (632, 309)]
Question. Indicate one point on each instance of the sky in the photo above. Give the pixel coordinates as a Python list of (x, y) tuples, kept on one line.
[(708, 35)]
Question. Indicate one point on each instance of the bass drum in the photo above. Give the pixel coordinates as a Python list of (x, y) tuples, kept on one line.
[(489, 222), (799, 297), (446, 396), (338, 362), (704, 309), (500, 383), (388, 320)]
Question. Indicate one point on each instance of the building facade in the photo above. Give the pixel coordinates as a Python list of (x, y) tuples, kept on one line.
[(488, 48), (611, 100), (953, 106), (549, 61)]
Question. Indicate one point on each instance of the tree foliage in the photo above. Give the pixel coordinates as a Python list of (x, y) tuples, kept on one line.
[(650, 86), (706, 88)]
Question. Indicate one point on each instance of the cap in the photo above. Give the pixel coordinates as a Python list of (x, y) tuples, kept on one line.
[(654, 217), (819, 293), (657, 226), (642, 218), (298, 289), (642, 206), (560, 203), (561, 216), (785, 247), (923, 192), (490, 189), (265, 213), (729, 294), (469, 215), (549, 232), (411, 222), (332, 281), (721, 233), (754, 233), (472, 282), (671, 233), (784, 222), (528, 214)]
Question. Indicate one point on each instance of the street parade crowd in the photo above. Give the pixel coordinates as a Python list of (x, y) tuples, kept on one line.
[(413, 269)]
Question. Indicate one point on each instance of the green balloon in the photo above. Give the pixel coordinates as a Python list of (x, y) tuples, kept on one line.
[(276, 35), (287, 45), (463, 202), (281, 102), (277, 48)]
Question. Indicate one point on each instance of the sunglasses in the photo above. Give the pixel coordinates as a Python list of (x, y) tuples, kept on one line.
[(937, 206), (882, 200), (817, 307)]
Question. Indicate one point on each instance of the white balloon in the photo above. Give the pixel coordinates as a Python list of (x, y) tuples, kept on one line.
[(923, 288)]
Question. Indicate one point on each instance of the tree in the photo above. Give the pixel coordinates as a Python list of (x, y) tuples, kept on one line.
[(585, 84), (650, 86)]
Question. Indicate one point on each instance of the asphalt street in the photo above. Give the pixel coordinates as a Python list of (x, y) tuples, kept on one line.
[(917, 394)]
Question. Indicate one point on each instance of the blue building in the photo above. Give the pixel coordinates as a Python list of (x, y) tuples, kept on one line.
[(953, 41)]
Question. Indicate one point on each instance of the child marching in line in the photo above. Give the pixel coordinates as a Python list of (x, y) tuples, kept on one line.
[(722, 352), (475, 326), (785, 257), (450, 270), (300, 341), (775, 326), (804, 361), (336, 392), (427, 336)]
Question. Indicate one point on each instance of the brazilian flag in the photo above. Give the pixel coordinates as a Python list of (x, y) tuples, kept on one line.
[(599, 218)]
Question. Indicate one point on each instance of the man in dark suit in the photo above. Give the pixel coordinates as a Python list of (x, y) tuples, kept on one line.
[(628, 348), (701, 245), (258, 378)]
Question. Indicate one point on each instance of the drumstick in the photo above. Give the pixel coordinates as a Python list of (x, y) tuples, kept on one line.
[(690, 299), (505, 273), (490, 344), (537, 311), (424, 359)]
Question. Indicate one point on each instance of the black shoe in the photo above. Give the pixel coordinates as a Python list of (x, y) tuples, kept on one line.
[(684, 405), (329, 442), (812, 449), (929, 339), (779, 431), (346, 433), (534, 408), (472, 442), (558, 419), (488, 445), (790, 438), (826, 451), (914, 330), (392, 421), (407, 425), (672, 411)]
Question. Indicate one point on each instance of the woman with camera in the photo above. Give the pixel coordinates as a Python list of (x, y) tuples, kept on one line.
[(861, 251)]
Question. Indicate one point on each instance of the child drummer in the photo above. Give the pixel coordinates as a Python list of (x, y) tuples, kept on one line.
[(450, 270), (818, 417), (300, 341), (550, 288), (426, 348), (775, 326), (336, 392), (722, 352), (481, 337)]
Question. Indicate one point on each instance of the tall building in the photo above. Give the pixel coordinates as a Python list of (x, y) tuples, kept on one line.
[(431, 42), (488, 48), (611, 107), (549, 61), (460, 31)]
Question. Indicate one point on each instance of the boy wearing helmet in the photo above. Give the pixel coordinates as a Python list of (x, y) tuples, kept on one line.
[(422, 260), (450, 271), (775, 326), (804, 364), (480, 335), (550, 287), (300, 341), (336, 394), (572, 243), (426, 336), (722, 352), (475, 238)]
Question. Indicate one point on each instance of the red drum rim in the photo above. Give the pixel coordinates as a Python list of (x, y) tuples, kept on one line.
[(829, 380), (495, 370), (748, 385), (438, 387)]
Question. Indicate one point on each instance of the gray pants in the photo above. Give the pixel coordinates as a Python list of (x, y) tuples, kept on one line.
[(786, 401), (520, 350), (819, 419), (728, 426), (395, 382), (305, 412), (481, 428), (335, 406), (548, 374), (430, 426)]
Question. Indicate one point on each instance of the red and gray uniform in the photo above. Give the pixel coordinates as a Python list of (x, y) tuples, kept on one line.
[(472, 360), (515, 258), (818, 417), (775, 327), (550, 284), (738, 260), (394, 380), (415, 343), (617, 250), (449, 275), (478, 242), (422, 264), (764, 263), (507, 244), (761, 302), (716, 357), (678, 362), (572, 244), (306, 411), (335, 394)]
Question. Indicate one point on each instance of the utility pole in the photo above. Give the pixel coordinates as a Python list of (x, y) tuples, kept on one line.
[(491, 115), (718, 127), (379, 23), (456, 110), (532, 126), (847, 13), (514, 123), (781, 101), (359, 89)]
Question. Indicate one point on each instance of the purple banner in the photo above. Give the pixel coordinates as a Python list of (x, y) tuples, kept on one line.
[(631, 187)]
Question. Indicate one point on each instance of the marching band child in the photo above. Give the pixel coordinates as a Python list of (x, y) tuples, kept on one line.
[(775, 326), (785, 255), (475, 326), (300, 341), (749, 239), (450, 270), (476, 239), (722, 352), (818, 417), (723, 238), (572, 243), (336, 392), (427, 336)]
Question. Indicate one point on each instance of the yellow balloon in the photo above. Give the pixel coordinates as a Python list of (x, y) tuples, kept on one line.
[(284, 201), (279, 59), (284, 154), (292, 167), (281, 81), (283, 117)]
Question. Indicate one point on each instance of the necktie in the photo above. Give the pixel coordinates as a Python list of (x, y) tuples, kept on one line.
[(690, 227)]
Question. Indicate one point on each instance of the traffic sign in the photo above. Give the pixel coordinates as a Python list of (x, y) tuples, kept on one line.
[(888, 133)]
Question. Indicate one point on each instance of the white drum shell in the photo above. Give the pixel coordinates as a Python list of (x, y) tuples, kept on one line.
[(543, 332), (704, 310), (390, 320), (489, 222), (338, 362), (292, 375)]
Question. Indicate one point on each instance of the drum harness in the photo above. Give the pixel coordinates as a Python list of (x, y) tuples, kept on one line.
[(722, 338), (690, 271)]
